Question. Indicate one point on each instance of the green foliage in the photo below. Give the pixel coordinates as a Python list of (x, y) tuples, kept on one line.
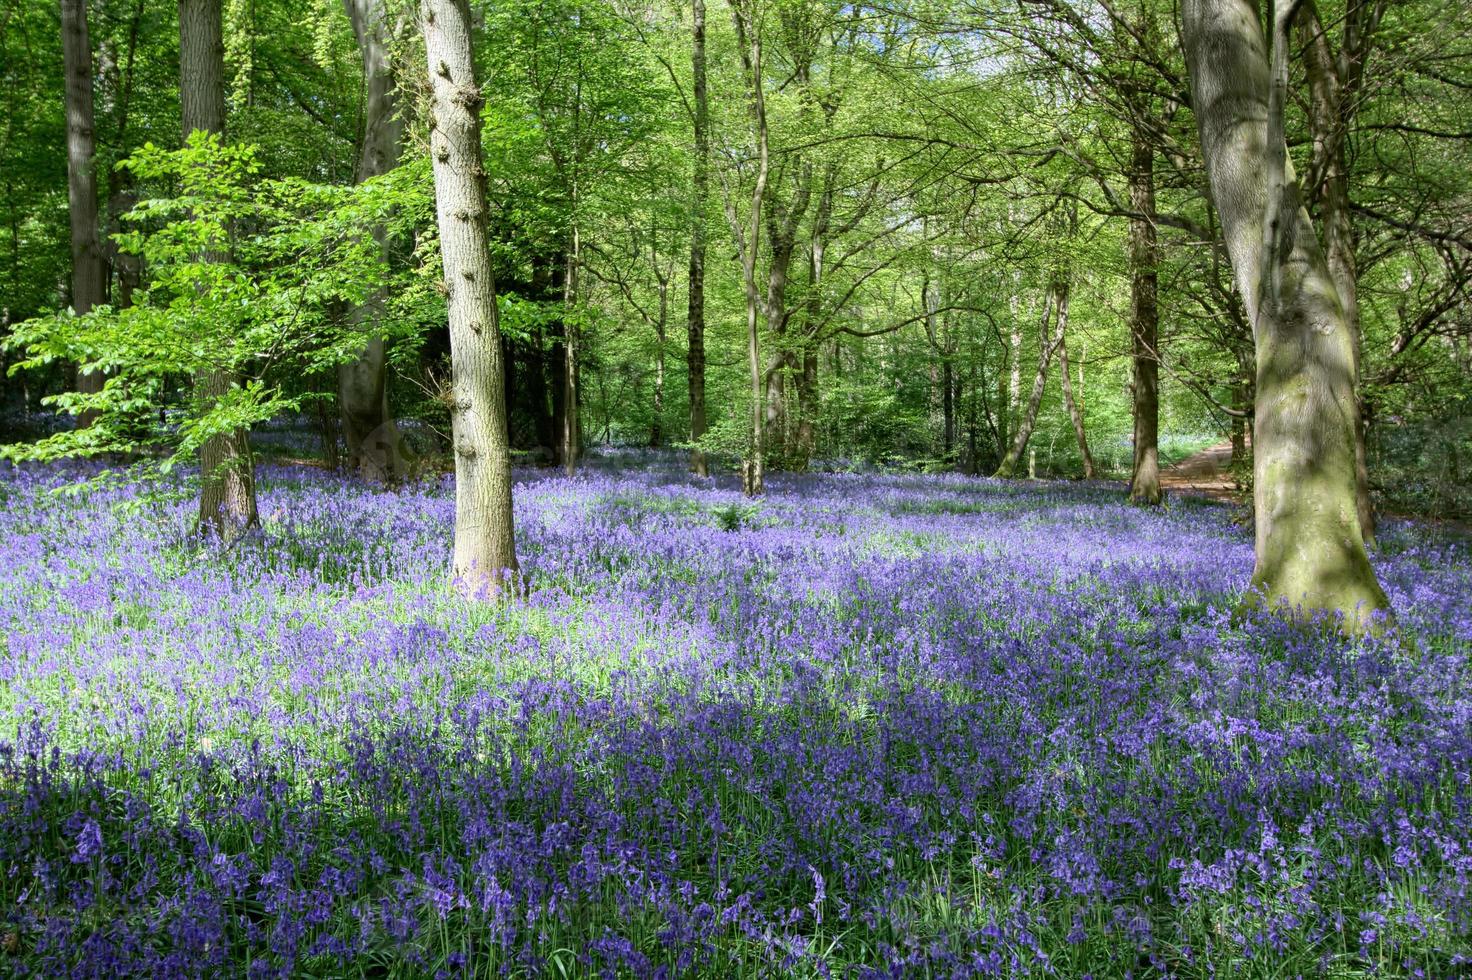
[(246, 274)]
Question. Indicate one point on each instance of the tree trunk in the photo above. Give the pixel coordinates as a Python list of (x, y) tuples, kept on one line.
[(369, 431), (805, 441), (696, 322), (1241, 401), (1333, 86), (485, 549), (948, 407), (546, 414), (973, 462), (572, 430), (656, 429), (779, 264), (1008, 466), (123, 196), (1144, 325), (89, 272), (749, 44), (1075, 407), (1310, 550), (227, 499), (807, 409), (1014, 348), (329, 430)]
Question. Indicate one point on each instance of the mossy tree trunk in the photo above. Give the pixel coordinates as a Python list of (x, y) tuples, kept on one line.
[(369, 432), (1310, 550)]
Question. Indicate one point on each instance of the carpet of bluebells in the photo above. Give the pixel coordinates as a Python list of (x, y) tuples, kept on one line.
[(869, 726)]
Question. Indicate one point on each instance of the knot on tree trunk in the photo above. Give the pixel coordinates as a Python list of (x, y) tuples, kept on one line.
[(468, 96)]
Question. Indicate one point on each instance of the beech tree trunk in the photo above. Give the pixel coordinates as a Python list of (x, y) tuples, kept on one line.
[(371, 436), (1075, 406), (749, 44), (89, 271), (696, 310), (1310, 548), (227, 499), (1144, 326), (1008, 466), (485, 550), (1334, 86), (572, 427)]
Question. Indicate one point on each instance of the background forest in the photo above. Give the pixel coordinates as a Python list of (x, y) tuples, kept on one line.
[(963, 202)]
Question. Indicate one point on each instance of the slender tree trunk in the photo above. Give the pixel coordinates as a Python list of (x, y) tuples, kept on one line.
[(1075, 406), (696, 310), (329, 430), (805, 441), (227, 500), (807, 409), (1241, 401), (781, 250), (749, 44), (485, 550), (546, 400), (123, 196), (572, 429), (656, 430), (1310, 549), (973, 461), (1014, 346), (89, 272), (369, 431), (1008, 466), (1144, 326), (948, 408)]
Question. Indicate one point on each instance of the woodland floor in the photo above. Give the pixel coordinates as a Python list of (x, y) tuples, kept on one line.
[(869, 726), (1207, 473)]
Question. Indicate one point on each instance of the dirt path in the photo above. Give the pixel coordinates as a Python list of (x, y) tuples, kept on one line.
[(1207, 473)]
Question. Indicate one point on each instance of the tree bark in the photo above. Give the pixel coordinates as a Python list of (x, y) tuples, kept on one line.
[(128, 268), (948, 408), (1144, 326), (1310, 549), (89, 271), (374, 445), (1334, 90), (546, 417), (485, 552), (749, 44), (696, 310), (227, 499), (1241, 401), (656, 428), (1075, 406), (572, 428), (1008, 466)]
